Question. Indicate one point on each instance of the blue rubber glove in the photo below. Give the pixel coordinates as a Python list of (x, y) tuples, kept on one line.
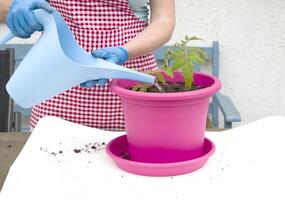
[(21, 20), (117, 55)]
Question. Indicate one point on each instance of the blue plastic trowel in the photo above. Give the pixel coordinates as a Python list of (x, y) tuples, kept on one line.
[(57, 63)]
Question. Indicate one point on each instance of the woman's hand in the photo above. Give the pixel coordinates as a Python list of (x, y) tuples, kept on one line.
[(21, 20), (117, 55)]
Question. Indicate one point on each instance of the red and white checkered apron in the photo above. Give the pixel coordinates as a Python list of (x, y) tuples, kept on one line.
[(95, 24)]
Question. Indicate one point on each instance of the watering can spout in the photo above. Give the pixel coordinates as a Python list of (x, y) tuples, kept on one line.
[(57, 63), (120, 72), (107, 70), (6, 37)]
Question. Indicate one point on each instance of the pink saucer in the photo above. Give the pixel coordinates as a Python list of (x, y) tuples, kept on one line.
[(117, 149)]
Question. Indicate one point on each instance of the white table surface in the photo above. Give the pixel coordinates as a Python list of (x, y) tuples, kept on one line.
[(249, 163)]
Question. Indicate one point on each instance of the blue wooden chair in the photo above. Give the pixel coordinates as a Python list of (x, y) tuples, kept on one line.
[(20, 114), (9, 119), (219, 101)]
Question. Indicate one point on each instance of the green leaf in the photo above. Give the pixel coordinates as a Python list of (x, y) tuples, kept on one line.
[(137, 87), (159, 77), (194, 38), (178, 54), (177, 64), (196, 57), (168, 71), (187, 70), (141, 87), (200, 51), (144, 87)]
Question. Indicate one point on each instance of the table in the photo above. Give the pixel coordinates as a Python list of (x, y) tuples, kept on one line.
[(248, 163), (12, 143)]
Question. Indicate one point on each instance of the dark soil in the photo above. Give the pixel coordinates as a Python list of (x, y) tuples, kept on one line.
[(76, 150), (172, 88), (91, 147), (88, 148), (125, 156)]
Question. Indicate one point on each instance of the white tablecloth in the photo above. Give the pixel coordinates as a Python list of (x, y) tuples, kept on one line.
[(249, 163)]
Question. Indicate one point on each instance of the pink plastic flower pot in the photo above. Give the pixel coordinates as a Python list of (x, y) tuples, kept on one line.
[(166, 127)]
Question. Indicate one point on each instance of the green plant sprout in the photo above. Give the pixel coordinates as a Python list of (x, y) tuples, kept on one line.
[(183, 58)]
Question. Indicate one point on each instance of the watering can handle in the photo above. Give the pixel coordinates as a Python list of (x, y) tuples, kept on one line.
[(9, 35), (6, 37)]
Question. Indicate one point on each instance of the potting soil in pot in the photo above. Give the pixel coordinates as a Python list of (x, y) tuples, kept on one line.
[(170, 88)]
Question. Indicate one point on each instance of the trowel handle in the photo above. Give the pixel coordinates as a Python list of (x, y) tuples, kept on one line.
[(6, 37)]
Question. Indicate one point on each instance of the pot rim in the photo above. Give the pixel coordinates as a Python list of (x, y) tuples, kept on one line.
[(208, 91)]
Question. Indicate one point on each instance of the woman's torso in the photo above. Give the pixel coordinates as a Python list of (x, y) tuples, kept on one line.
[(96, 24)]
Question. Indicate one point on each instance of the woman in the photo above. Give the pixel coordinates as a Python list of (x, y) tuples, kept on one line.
[(115, 30)]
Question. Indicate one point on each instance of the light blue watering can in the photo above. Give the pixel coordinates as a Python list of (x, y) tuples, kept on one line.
[(57, 63)]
